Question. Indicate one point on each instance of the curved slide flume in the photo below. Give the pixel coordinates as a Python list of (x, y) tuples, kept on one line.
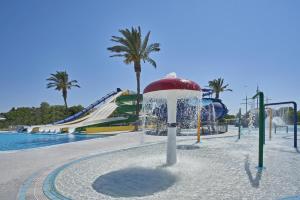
[(87, 109), (104, 107), (218, 106)]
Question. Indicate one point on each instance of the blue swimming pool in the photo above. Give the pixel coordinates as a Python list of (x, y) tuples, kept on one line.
[(16, 141)]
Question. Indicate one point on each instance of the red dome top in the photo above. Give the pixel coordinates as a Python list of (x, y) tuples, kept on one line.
[(172, 84)]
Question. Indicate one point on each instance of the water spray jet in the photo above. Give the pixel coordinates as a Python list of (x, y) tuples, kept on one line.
[(171, 89)]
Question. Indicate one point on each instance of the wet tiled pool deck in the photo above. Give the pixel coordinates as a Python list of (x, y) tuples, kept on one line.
[(220, 168)]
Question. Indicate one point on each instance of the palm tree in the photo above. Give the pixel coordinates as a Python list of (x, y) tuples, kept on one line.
[(60, 81), (217, 86), (134, 50)]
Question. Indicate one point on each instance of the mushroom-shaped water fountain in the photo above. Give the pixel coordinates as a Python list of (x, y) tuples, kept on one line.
[(172, 88)]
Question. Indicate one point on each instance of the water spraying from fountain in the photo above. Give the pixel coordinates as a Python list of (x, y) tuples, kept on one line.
[(252, 116), (276, 121), (279, 119), (214, 121), (173, 94)]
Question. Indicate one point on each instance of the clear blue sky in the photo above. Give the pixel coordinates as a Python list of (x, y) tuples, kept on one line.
[(245, 42)]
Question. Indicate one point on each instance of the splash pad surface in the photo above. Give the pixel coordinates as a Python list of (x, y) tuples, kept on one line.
[(218, 168)]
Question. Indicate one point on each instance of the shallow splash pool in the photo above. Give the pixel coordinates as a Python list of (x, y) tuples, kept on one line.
[(17, 141)]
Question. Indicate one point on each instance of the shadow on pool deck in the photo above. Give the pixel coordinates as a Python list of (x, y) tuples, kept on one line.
[(291, 150), (134, 182), (187, 147), (295, 150), (291, 198), (254, 181)]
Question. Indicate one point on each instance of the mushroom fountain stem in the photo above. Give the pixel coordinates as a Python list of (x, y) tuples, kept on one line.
[(172, 129)]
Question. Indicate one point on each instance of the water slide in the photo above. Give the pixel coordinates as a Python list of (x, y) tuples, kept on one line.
[(215, 106), (116, 102), (87, 109), (211, 105), (105, 107)]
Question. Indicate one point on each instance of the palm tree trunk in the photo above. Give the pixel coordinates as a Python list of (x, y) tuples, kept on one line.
[(217, 95), (65, 98), (137, 69)]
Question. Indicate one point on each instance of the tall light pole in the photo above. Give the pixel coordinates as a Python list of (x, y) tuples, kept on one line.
[(267, 99), (257, 90), (245, 101)]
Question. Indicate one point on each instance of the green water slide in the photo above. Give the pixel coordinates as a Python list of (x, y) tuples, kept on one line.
[(125, 99), (126, 109), (127, 104)]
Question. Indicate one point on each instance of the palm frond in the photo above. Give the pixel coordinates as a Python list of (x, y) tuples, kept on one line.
[(51, 85), (217, 86), (118, 55), (130, 40), (151, 61), (119, 48), (145, 42), (132, 47), (151, 48), (121, 41)]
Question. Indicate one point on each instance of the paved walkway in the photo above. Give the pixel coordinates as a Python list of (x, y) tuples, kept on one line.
[(17, 166), (223, 168)]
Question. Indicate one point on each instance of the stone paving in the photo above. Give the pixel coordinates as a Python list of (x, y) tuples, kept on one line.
[(18, 166), (220, 168), (34, 189)]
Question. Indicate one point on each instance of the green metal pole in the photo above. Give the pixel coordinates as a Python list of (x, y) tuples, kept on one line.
[(240, 121), (261, 128), (295, 124)]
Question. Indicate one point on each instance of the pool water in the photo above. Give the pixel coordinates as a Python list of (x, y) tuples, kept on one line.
[(16, 141)]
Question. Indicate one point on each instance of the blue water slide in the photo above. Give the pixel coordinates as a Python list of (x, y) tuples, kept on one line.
[(87, 109), (207, 92), (216, 104), (209, 104)]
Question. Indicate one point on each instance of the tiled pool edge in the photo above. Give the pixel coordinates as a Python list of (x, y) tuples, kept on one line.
[(49, 188), (24, 187)]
